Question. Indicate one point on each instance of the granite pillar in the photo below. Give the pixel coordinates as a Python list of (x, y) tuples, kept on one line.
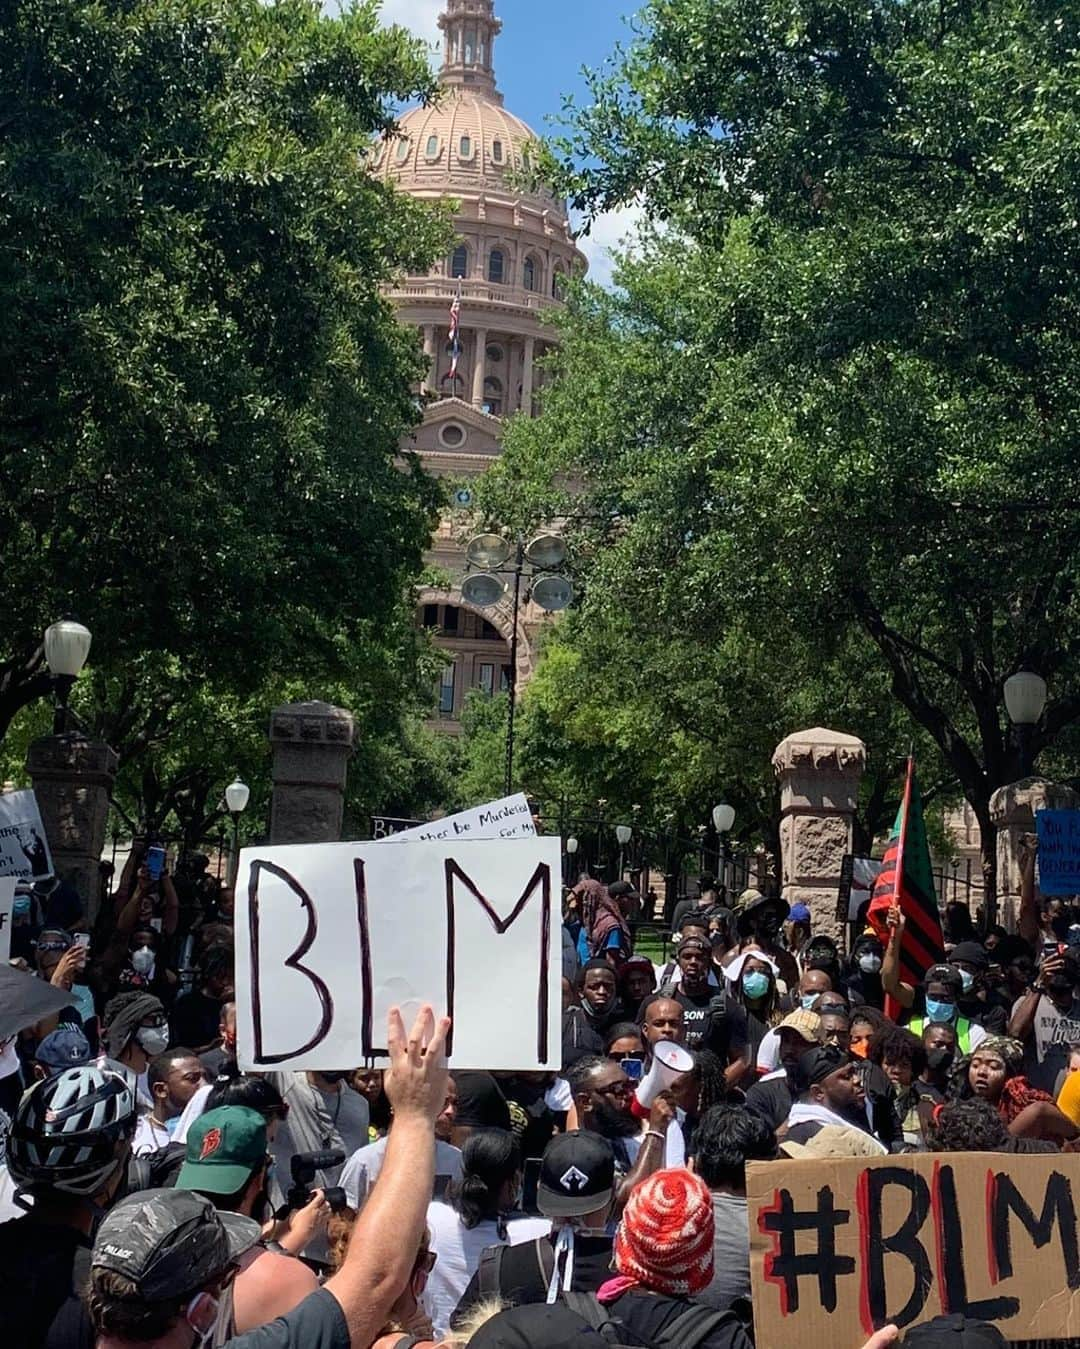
[(819, 772), (311, 744), (1012, 810)]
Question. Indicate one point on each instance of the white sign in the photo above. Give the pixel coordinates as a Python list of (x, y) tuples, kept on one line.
[(7, 904), (329, 936), (509, 817), (24, 849)]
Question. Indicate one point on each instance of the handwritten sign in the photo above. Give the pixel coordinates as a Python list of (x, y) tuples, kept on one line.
[(510, 817), (839, 1249), (384, 826), (7, 904), (1059, 851), (24, 849), (329, 936)]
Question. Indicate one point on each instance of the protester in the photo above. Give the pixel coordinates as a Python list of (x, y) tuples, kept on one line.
[(624, 1045), (60, 1050), (863, 1025), (796, 931), (902, 1058), (221, 1060), (578, 1035), (752, 977), (713, 1018), (861, 976), (829, 1093), (197, 1015), (135, 1031), (995, 1075), (361, 1171), (575, 1191), (226, 1161), (662, 1018), (636, 980), (369, 1083), (939, 1041), (940, 994), (820, 953), (694, 924), (479, 1210), (598, 999), (977, 1001), (836, 1029), (725, 1139), (1046, 1020), (772, 1097), (698, 1090), (172, 1079), (707, 897), (759, 926), (409, 1326), (663, 1259), (480, 1104), (605, 931), (162, 1259), (67, 1153), (601, 1096)]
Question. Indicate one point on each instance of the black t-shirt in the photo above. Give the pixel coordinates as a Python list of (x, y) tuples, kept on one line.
[(317, 1323), (771, 1100), (647, 1315), (195, 1020), (708, 1027), (991, 1015), (43, 1269), (524, 1271)]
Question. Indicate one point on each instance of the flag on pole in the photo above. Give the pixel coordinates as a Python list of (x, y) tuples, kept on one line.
[(455, 336), (907, 878)]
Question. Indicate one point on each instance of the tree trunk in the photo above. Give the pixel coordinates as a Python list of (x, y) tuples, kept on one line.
[(980, 804)]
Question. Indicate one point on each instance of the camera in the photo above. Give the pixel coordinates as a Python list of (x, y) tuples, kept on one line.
[(303, 1166)]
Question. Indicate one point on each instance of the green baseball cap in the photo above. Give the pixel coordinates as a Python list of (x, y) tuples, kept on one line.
[(225, 1147)]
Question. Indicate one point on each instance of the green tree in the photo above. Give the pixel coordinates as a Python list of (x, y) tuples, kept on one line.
[(203, 389), (839, 394)]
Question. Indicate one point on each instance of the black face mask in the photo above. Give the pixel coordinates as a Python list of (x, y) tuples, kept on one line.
[(938, 1060)]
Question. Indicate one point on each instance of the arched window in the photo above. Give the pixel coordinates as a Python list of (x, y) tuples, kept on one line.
[(459, 261), (495, 266), (493, 391), (403, 150), (529, 274), (470, 45), (558, 283), (496, 151), (466, 148), (432, 147)]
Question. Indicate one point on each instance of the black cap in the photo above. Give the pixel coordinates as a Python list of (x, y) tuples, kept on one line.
[(577, 1175), (971, 953), (955, 1332), (818, 1063), (756, 907), (170, 1242), (537, 1326)]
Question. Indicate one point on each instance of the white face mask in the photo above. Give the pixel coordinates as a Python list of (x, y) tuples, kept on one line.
[(154, 1039), (869, 963), (142, 961)]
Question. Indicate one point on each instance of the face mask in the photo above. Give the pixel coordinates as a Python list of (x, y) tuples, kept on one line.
[(154, 1039), (939, 1059), (869, 963), (142, 960), (940, 1011), (808, 1000), (83, 1002), (755, 984), (21, 907), (967, 980)]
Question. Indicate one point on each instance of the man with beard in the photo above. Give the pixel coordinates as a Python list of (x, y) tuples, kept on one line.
[(602, 1094), (1046, 1020), (830, 1092), (759, 926), (772, 1097)]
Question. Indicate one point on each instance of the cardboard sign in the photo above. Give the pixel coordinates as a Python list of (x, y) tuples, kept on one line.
[(509, 817), (7, 904), (839, 1249), (24, 849), (329, 936), (1059, 851)]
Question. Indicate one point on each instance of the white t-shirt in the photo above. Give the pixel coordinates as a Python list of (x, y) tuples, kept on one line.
[(362, 1169), (674, 1144), (150, 1136), (459, 1249)]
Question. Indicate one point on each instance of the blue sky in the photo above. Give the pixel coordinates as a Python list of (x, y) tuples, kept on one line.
[(538, 58)]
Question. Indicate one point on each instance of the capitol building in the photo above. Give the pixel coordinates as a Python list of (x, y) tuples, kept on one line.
[(513, 253)]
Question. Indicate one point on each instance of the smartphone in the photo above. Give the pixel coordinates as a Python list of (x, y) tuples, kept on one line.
[(155, 861), (632, 1066), (82, 939)]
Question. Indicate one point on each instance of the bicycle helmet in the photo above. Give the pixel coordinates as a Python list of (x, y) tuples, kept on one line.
[(65, 1130)]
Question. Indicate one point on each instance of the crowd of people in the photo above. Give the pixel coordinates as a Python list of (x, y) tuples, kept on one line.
[(155, 1195)]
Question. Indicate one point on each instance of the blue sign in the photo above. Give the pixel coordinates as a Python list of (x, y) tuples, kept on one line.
[(1059, 851)]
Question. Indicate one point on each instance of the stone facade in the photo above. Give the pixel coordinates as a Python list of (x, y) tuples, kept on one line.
[(73, 779), (513, 253), (1012, 809), (311, 744), (819, 772)]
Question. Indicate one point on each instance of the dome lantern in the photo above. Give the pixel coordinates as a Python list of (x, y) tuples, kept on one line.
[(469, 30)]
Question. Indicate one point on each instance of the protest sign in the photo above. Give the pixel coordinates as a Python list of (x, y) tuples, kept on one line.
[(24, 849), (330, 935), (840, 1248), (1059, 851), (509, 817), (7, 904), (384, 826)]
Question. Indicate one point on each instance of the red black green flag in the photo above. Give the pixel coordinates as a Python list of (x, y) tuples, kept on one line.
[(907, 877)]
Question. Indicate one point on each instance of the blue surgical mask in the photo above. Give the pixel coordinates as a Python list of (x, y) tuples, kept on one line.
[(967, 980), (21, 907), (940, 1011), (755, 984), (807, 1000)]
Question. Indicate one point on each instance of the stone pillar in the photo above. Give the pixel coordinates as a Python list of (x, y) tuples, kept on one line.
[(73, 779), (819, 772), (1012, 810), (431, 377), (311, 743), (527, 376), (479, 366)]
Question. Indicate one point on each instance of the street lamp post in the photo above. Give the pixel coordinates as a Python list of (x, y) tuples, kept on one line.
[(1025, 699), (237, 794), (67, 645), (623, 833), (723, 817), (537, 562), (571, 850)]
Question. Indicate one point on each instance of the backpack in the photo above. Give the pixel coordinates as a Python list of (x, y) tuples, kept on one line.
[(489, 1271), (156, 1170), (687, 1330)]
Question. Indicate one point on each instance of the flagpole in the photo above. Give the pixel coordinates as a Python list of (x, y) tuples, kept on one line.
[(905, 814)]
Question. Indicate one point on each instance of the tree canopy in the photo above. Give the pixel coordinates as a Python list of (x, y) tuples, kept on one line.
[(830, 414)]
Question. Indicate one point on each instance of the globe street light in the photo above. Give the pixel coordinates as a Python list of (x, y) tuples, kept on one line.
[(237, 794), (1025, 700), (723, 817), (67, 645), (623, 833)]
